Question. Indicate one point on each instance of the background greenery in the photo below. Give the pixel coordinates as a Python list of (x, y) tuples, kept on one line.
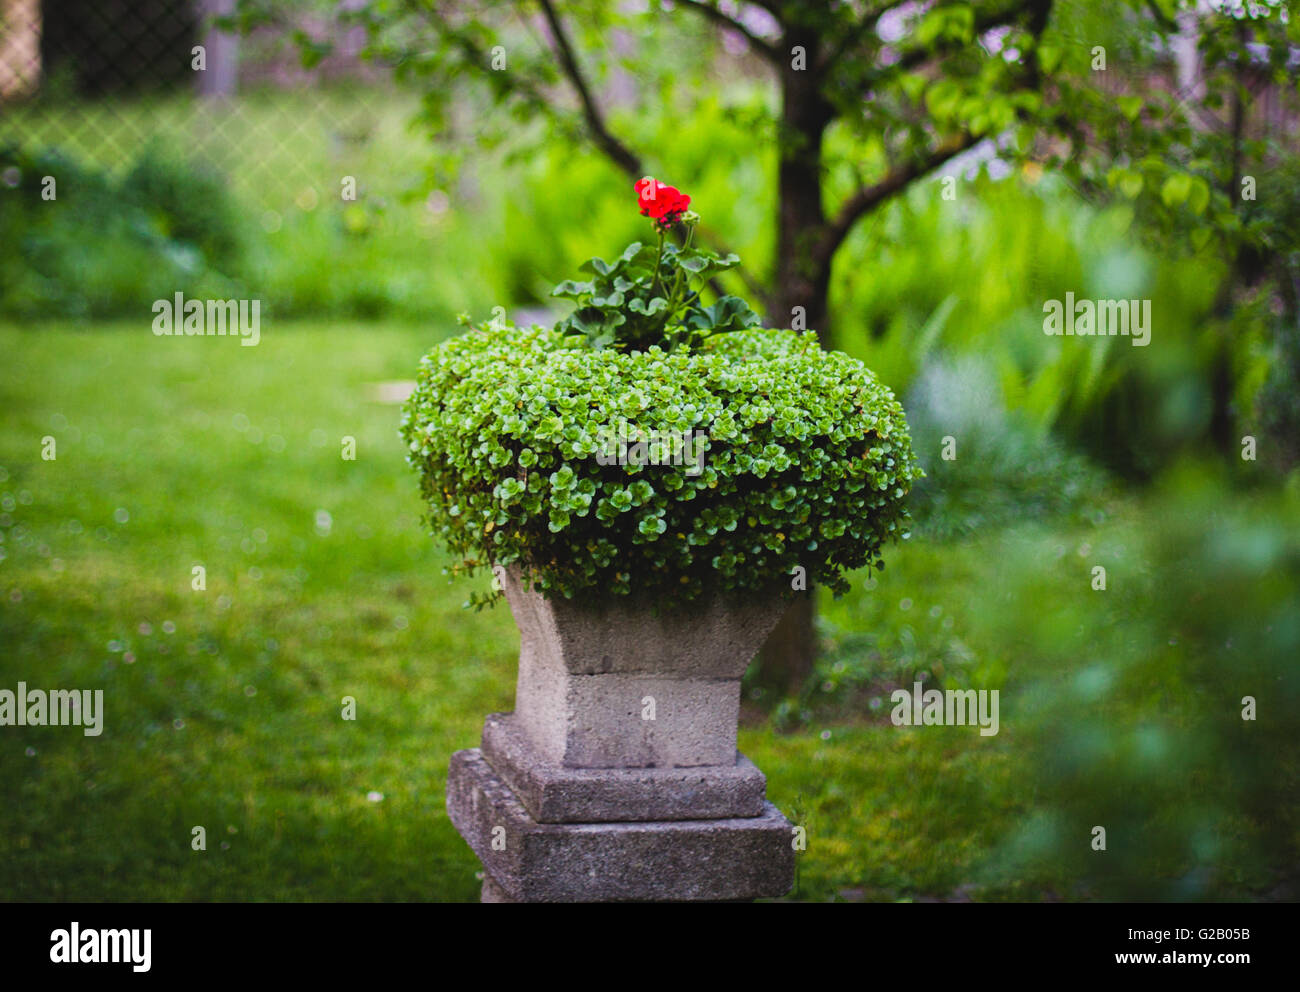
[(1120, 708)]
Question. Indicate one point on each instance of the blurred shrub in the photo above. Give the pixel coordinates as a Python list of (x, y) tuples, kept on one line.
[(1001, 469), (1278, 401), (101, 248), (970, 276), (187, 202), (1271, 261), (1131, 717)]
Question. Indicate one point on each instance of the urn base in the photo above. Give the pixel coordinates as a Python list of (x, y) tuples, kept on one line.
[(554, 793), (734, 858)]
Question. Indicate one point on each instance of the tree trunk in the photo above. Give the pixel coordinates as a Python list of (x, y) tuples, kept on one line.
[(220, 78), (801, 219), (802, 288)]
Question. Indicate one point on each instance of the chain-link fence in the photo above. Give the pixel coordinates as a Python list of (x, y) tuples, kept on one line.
[(144, 151), (99, 80)]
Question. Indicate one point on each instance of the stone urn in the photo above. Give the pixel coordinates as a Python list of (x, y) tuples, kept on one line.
[(617, 777)]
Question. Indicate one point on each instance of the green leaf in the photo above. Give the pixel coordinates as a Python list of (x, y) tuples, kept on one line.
[(572, 289), (656, 306), (614, 299), (942, 98), (730, 313), (930, 28), (913, 85), (1176, 189)]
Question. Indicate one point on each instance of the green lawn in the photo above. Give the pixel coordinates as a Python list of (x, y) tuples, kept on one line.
[(175, 452), (224, 706)]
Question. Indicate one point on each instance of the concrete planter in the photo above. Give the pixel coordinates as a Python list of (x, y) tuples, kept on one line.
[(617, 776)]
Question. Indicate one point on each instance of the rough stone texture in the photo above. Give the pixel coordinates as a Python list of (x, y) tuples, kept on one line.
[(553, 793), (590, 796), (491, 892), (714, 638), (694, 721), (585, 675), (688, 860)]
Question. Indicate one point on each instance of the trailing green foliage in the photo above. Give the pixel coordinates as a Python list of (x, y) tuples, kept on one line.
[(805, 461)]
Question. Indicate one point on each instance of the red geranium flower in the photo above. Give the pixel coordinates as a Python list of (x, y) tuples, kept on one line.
[(662, 203)]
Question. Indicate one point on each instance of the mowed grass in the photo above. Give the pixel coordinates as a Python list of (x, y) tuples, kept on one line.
[(223, 706), (177, 452)]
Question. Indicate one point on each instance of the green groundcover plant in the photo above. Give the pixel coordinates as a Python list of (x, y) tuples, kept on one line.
[(650, 444)]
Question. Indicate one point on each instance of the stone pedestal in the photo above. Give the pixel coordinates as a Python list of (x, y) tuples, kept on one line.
[(617, 775)]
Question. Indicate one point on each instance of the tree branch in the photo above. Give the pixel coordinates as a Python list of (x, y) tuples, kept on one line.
[(869, 197), (474, 55), (1159, 16), (619, 153), (763, 47), (984, 22), (596, 131), (855, 34)]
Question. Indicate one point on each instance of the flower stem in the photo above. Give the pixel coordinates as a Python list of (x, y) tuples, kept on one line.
[(658, 258), (677, 283)]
